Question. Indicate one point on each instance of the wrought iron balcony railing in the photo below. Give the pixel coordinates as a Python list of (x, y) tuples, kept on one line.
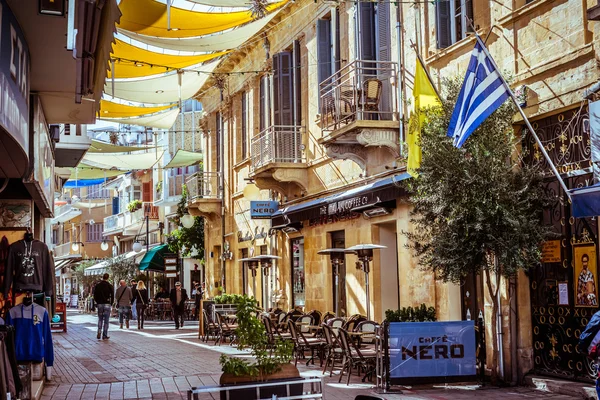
[(277, 144), (361, 90), (203, 185)]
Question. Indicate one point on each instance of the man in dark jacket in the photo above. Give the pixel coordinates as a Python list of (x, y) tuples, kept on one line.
[(103, 296), (178, 297)]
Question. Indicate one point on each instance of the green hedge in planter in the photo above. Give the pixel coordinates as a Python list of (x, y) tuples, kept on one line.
[(410, 314)]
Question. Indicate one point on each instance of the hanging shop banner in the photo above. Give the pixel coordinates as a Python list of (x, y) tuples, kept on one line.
[(14, 78), (263, 209), (432, 351)]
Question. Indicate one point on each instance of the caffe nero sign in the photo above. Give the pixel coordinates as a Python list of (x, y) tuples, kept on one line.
[(14, 78), (263, 209)]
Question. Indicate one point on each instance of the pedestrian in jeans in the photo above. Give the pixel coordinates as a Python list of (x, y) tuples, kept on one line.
[(133, 307), (178, 297), (124, 300), (103, 296), (140, 298)]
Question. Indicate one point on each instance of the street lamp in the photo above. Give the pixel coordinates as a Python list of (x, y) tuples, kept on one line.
[(187, 221), (75, 246), (104, 245), (337, 259), (365, 255)]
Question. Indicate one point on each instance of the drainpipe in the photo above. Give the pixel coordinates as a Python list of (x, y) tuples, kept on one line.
[(222, 190), (500, 334), (514, 334), (399, 78)]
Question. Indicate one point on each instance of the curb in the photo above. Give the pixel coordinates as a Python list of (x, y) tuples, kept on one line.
[(561, 386)]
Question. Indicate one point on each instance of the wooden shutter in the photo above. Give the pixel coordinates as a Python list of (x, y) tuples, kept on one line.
[(283, 101), (442, 22), (469, 15), (297, 84), (244, 138), (264, 106), (384, 38), (218, 143), (338, 51), (367, 31), (147, 191), (323, 49)]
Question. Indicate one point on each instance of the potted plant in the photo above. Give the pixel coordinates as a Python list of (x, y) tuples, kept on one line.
[(134, 205), (410, 314), (159, 186), (271, 363)]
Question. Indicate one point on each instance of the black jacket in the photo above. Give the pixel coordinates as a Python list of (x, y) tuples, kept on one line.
[(103, 293), (141, 296), (36, 276), (173, 298)]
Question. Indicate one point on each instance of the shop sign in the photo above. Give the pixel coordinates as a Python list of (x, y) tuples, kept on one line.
[(14, 78), (263, 209), (332, 219), (432, 351), (171, 263), (551, 251), (59, 319), (344, 206), (43, 155)]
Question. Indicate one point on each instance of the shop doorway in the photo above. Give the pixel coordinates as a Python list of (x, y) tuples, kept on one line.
[(297, 257), (338, 241), (390, 285)]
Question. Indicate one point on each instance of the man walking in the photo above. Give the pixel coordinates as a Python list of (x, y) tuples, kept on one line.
[(178, 297), (124, 299), (103, 297)]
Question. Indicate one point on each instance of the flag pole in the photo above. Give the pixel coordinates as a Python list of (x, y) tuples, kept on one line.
[(525, 119), (414, 47)]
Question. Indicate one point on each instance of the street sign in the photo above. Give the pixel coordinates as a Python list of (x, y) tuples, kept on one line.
[(263, 209), (171, 275)]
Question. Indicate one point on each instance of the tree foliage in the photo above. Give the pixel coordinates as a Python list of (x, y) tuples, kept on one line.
[(79, 272), (187, 241), (477, 202), (122, 268)]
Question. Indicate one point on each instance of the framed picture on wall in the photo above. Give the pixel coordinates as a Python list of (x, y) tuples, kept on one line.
[(15, 214), (586, 275)]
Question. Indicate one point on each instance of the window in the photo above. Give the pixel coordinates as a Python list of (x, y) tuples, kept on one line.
[(286, 87), (218, 142), (147, 191), (67, 129), (244, 125), (97, 192), (298, 289), (452, 22), (94, 233), (265, 103), (192, 105)]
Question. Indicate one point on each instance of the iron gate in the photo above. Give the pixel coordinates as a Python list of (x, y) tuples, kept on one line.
[(556, 318)]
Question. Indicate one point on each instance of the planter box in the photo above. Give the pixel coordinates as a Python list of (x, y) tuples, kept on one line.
[(287, 373)]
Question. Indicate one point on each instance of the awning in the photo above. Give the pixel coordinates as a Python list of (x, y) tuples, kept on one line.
[(123, 162), (225, 3), (154, 260), (149, 17), (586, 201), (161, 120), (184, 158), (71, 183), (134, 62), (110, 109), (231, 39), (97, 269), (60, 263), (355, 199), (103, 147), (84, 171)]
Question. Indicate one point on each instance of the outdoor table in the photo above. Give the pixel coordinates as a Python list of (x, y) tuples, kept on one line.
[(356, 336)]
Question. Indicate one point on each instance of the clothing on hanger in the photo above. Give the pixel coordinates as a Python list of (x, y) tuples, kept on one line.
[(33, 338), (29, 267)]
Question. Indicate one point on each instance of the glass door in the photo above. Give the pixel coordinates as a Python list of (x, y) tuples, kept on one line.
[(298, 289)]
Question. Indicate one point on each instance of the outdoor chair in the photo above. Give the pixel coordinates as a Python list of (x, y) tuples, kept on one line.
[(317, 317), (355, 358), (328, 315), (210, 328), (371, 94), (225, 330), (336, 324), (281, 322), (272, 332), (303, 344), (333, 351), (353, 321), (304, 322), (367, 326), (189, 310)]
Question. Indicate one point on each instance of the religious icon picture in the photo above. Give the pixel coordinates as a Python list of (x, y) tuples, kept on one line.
[(586, 279)]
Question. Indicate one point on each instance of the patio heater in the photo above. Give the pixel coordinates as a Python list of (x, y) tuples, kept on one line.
[(365, 255), (252, 266), (266, 262), (337, 259)]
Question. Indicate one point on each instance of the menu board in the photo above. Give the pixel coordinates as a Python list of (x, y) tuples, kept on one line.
[(59, 319)]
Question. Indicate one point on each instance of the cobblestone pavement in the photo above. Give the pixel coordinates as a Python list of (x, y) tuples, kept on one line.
[(163, 363)]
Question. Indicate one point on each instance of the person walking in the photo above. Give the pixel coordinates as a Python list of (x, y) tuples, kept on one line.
[(103, 297), (124, 300), (140, 299), (133, 287), (178, 297)]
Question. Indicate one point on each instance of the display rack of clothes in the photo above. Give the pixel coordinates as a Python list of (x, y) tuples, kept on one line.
[(9, 373)]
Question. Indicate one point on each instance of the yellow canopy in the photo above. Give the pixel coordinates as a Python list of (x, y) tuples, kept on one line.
[(149, 17), (135, 62), (109, 109), (103, 147)]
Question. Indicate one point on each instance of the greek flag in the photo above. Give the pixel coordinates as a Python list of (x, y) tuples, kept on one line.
[(482, 92)]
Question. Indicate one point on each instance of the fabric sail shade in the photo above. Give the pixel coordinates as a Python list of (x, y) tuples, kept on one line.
[(84, 171), (123, 162), (135, 62), (184, 158), (224, 3), (109, 109), (149, 17), (103, 147), (154, 259), (223, 41), (162, 120)]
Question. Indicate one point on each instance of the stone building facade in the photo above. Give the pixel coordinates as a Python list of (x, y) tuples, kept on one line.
[(309, 112)]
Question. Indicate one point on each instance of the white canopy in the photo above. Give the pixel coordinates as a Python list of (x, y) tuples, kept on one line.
[(216, 42), (161, 120), (161, 89), (123, 162)]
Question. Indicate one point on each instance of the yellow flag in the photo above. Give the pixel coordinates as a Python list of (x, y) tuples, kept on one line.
[(424, 96)]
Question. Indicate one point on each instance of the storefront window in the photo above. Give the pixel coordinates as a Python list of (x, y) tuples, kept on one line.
[(299, 296)]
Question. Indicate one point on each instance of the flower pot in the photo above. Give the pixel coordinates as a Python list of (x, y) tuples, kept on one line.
[(287, 372)]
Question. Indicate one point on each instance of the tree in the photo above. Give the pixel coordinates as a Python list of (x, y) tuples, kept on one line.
[(79, 272), (187, 241), (476, 209), (122, 268)]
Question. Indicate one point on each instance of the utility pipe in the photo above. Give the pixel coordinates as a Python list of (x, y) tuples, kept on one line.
[(399, 78)]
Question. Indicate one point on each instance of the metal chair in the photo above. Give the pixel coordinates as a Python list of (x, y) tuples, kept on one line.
[(371, 94), (304, 322), (367, 326), (225, 329), (328, 315), (302, 344), (333, 350), (353, 357), (210, 328)]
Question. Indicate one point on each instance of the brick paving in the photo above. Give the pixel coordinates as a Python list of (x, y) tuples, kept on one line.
[(163, 363)]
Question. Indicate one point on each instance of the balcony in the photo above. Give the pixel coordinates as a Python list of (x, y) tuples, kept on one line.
[(204, 194), (136, 220), (277, 160), (61, 250), (114, 224), (359, 110), (72, 145), (170, 193), (65, 213)]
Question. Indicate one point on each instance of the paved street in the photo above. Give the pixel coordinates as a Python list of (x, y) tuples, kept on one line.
[(163, 363)]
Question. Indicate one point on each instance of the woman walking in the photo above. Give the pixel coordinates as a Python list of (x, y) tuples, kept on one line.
[(141, 297)]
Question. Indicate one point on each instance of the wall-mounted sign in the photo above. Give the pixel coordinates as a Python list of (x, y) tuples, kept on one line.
[(52, 7), (263, 209), (551, 251), (171, 275), (432, 351), (14, 78)]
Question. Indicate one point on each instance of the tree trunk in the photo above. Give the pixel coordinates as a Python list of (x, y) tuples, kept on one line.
[(494, 321)]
